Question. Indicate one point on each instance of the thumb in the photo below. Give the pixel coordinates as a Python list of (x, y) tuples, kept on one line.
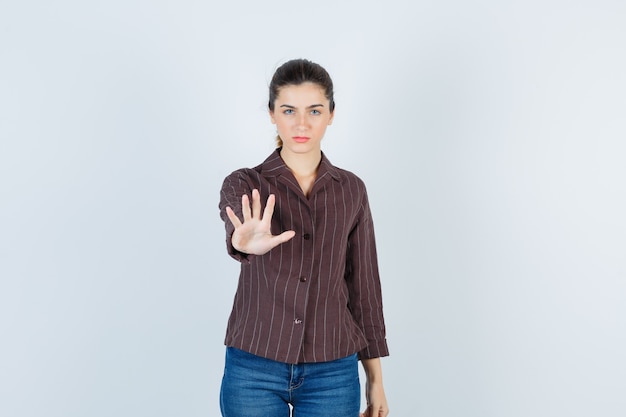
[(285, 236), (282, 238)]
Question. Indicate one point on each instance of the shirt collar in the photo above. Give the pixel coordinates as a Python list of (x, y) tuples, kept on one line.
[(274, 166)]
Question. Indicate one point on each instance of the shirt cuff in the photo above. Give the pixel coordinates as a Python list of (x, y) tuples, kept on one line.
[(376, 349), (235, 254)]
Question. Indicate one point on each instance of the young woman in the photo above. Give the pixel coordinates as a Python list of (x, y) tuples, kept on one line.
[(308, 304)]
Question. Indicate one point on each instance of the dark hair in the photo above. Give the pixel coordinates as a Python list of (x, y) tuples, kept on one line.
[(296, 72)]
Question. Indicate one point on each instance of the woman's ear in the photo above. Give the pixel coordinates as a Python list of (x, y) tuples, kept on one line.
[(272, 117)]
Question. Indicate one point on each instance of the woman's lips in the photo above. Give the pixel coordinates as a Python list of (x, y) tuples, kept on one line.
[(300, 139)]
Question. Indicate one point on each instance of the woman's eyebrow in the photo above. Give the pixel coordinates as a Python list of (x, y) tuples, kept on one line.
[(289, 106)]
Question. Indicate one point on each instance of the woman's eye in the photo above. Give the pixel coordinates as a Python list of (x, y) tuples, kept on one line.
[(315, 112), (288, 111)]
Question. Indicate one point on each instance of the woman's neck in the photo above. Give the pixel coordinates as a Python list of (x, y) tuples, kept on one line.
[(302, 165)]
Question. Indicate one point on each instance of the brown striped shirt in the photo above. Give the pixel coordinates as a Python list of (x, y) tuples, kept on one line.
[(316, 297)]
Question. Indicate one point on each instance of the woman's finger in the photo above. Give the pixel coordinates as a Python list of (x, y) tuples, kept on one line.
[(283, 237), (269, 209), (233, 217), (245, 208), (256, 204)]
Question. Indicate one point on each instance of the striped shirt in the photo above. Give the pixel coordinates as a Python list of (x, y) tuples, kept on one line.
[(317, 297)]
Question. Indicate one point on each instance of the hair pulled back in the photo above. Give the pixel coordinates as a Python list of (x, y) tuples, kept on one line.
[(296, 72)]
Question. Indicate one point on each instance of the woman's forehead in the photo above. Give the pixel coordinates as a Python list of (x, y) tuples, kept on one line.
[(304, 92)]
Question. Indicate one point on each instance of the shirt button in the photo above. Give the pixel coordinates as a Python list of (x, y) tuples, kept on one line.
[(297, 321), (306, 236), (302, 279)]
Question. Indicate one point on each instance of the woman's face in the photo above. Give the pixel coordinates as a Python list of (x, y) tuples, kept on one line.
[(301, 115)]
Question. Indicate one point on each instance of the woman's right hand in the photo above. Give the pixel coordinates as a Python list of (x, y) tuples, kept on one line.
[(254, 236)]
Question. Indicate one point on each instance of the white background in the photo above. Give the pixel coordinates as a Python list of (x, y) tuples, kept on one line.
[(491, 135)]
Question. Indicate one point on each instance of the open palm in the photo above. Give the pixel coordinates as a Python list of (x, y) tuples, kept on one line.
[(254, 236)]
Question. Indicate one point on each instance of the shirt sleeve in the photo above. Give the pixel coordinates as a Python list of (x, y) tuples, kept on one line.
[(233, 188), (364, 286)]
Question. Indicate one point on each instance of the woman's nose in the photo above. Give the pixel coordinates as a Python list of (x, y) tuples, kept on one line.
[(302, 121)]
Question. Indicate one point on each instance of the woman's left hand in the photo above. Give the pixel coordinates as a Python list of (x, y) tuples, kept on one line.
[(376, 400)]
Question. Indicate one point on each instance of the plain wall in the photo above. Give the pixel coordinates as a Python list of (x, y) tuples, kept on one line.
[(499, 203)]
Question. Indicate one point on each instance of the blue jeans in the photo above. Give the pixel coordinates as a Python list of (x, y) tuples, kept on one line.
[(254, 386)]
